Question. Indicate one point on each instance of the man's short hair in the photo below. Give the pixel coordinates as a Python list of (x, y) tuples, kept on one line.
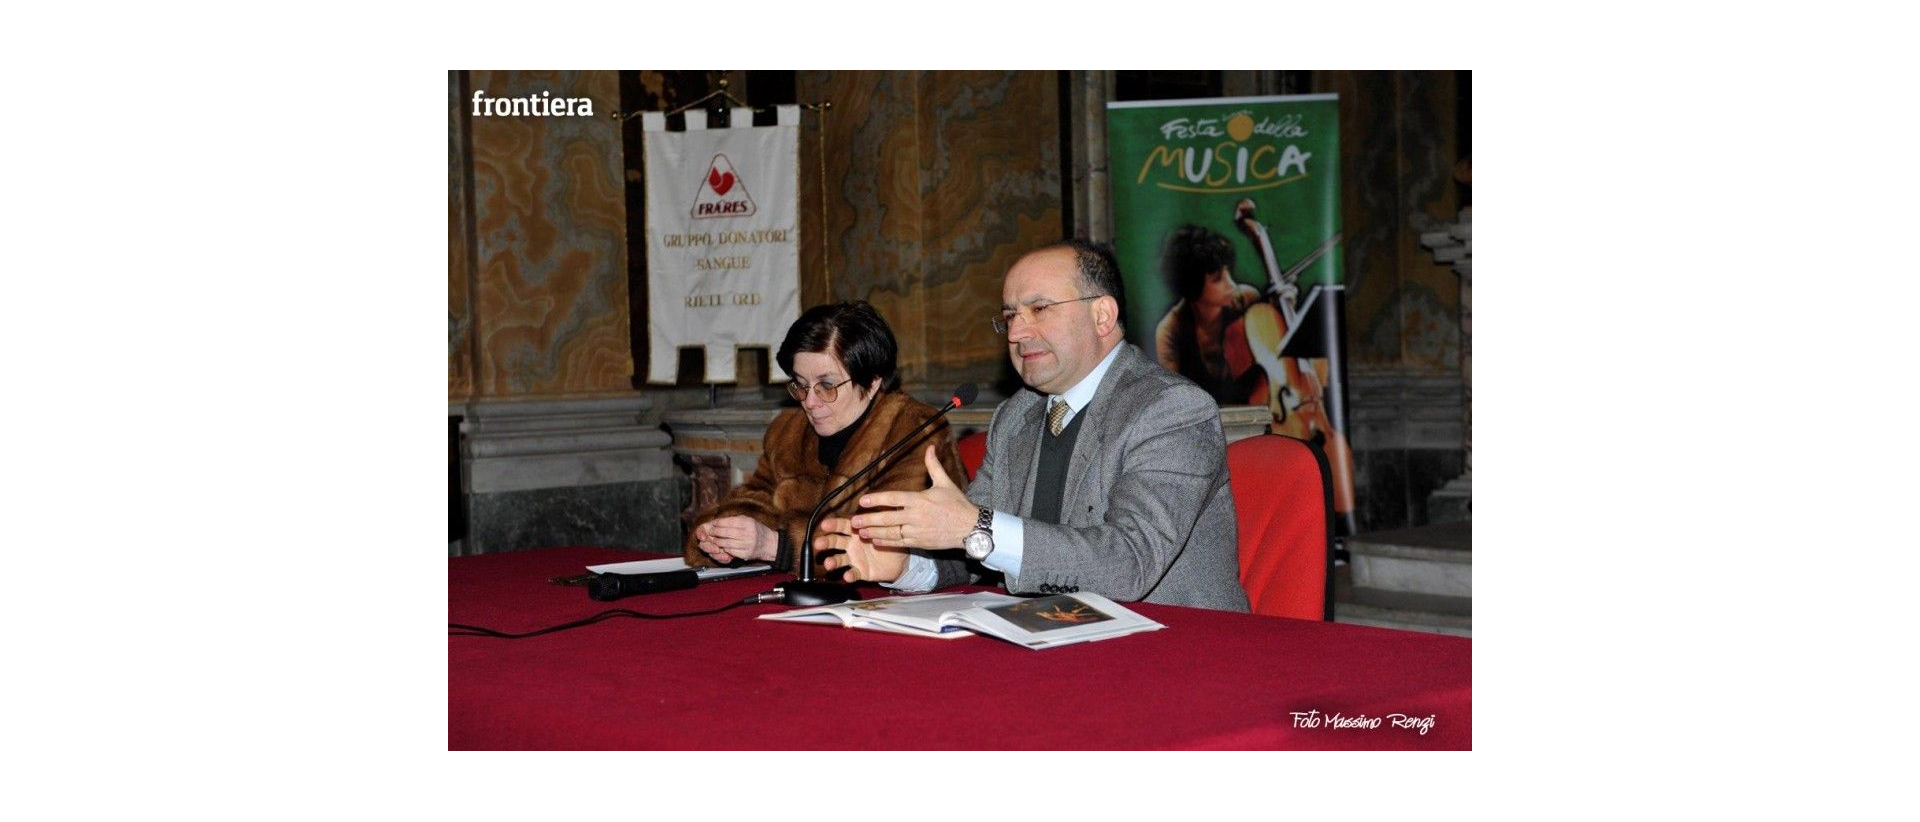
[(1191, 254), (851, 332), (1099, 269)]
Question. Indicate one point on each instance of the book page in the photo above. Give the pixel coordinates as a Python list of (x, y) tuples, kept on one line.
[(932, 613), (829, 614), (1061, 619)]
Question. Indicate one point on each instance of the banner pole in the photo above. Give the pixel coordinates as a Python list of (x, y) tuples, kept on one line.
[(826, 252)]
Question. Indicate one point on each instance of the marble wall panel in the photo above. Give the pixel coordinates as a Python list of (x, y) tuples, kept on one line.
[(935, 183), (1399, 143), (549, 292), (992, 190), (872, 184)]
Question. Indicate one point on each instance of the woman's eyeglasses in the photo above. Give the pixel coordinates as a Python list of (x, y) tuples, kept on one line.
[(827, 392)]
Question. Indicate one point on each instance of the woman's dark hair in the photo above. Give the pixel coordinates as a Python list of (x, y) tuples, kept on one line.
[(851, 332), (1192, 253)]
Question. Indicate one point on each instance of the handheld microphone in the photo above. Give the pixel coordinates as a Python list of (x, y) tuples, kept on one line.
[(609, 587), (805, 590)]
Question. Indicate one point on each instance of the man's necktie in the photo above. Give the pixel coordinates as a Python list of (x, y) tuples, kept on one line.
[(1057, 416)]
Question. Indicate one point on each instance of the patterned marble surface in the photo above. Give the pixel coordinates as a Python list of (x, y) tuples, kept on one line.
[(1398, 147), (549, 297), (944, 180)]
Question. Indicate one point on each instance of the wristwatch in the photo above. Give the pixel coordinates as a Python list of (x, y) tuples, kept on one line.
[(979, 541)]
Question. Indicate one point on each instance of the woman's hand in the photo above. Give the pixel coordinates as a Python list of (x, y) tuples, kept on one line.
[(725, 538), (843, 548)]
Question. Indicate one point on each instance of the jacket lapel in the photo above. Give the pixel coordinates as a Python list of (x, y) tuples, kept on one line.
[(1089, 445), (1023, 453)]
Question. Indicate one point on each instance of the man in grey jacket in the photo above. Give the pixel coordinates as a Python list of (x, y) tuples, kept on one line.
[(1110, 476)]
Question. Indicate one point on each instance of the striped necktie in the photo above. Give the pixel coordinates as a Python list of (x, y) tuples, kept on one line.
[(1057, 416)]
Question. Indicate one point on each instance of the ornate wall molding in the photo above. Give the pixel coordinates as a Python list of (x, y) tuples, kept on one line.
[(1404, 410), (531, 444)]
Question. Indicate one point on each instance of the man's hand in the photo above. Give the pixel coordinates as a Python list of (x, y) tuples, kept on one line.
[(737, 536), (939, 517), (861, 559)]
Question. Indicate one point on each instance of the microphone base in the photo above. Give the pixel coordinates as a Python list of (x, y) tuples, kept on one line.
[(815, 593)]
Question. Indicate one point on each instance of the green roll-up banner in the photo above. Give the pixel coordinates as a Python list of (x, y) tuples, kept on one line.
[(1226, 221)]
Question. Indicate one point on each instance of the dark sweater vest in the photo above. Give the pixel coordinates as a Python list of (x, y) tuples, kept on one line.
[(1050, 485)]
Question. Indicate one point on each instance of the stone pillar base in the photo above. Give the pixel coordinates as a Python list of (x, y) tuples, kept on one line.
[(543, 473)]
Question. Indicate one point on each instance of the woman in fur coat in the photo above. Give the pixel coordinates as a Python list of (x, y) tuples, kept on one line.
[(840, 359)]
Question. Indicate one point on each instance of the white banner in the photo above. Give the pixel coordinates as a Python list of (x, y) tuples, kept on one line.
[(723, 245)]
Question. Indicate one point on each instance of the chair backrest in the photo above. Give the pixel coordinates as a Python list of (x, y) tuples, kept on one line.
[(1283, 503), (973, 451)]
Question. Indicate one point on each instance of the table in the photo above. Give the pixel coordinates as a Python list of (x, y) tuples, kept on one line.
[(1209, 680)]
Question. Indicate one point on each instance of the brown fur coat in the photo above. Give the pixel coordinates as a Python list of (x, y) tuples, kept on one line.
[(790, 479)]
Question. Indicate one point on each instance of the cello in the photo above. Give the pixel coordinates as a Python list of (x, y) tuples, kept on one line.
[(1291, 387)]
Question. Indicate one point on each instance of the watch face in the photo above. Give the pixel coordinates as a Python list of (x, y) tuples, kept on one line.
[(979, 544)]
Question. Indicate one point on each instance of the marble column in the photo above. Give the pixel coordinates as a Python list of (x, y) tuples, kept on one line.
[(1090, 91)]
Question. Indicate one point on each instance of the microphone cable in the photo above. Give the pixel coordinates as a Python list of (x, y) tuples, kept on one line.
[(457, 629)]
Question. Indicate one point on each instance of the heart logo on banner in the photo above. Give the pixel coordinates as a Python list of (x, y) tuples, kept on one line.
[(721, 192)]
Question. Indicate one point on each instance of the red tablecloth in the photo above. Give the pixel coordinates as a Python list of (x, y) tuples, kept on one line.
[(729, 681)]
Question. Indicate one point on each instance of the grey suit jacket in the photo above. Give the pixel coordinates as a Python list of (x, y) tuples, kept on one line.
[(1147, 512)]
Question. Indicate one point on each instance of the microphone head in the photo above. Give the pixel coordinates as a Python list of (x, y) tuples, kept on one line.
[(604, 588), (965, 395)]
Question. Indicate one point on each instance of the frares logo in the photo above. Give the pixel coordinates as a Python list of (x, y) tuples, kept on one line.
[(722, 193), (543, 104), (1229, 166)]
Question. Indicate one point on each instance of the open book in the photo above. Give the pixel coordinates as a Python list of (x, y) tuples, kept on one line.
[(1044, 622)]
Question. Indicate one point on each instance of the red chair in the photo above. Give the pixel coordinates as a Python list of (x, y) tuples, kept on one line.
[(973, 451), (1283, 503)]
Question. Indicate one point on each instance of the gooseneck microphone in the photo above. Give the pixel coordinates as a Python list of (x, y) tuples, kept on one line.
[(806, 590)]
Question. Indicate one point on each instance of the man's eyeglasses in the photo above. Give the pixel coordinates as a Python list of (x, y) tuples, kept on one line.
[(827, 392), (1030, 313)]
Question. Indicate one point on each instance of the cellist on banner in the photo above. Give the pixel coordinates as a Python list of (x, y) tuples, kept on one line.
[(1226, 336)]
